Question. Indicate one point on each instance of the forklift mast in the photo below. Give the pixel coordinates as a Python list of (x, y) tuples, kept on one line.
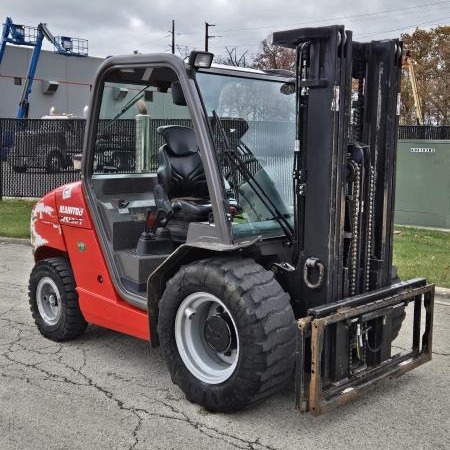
[(345, 161), (33, 37), (348, 108)]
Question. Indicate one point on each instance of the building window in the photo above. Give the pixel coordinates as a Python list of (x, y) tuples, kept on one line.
[(17, 81)]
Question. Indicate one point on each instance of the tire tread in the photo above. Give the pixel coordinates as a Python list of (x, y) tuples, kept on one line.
[(72, 323), (267, 329)]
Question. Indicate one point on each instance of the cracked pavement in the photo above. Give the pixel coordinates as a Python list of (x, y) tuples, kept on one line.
[(110, 391)]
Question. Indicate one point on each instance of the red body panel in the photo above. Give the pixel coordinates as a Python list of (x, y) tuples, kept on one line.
[(46, 233), (61, 221), (72, 206)]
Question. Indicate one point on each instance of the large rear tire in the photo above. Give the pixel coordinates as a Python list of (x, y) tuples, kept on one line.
[(54, 300), (227, 333)]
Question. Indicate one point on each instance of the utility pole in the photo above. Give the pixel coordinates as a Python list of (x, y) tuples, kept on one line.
[(173, 37), (207, 36)]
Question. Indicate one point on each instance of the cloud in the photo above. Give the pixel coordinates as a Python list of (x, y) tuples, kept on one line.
[(114, 27)]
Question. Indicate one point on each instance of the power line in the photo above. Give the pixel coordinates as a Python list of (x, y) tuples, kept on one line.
[(406, 27), (255, 45), (344, 17), (156, 40), (335, 18), (443, 19)]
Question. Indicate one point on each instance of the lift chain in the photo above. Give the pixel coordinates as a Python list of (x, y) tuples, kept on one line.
[(370, 226), (358, 104), (356, 204)]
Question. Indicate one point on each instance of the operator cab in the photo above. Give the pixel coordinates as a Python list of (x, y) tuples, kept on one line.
[(150, 175)]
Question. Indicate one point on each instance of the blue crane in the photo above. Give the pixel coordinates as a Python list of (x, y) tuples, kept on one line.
[(34, 36)]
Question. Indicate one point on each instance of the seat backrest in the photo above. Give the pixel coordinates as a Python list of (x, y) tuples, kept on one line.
[(180, 170)]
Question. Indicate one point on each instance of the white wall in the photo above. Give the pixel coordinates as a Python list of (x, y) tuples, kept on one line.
[(75, 76)]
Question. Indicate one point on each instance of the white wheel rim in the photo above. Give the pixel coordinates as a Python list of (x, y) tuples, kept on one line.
[(48, 301), (201, 360)]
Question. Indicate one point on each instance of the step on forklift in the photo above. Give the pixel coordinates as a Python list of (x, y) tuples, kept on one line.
[(251, 237)]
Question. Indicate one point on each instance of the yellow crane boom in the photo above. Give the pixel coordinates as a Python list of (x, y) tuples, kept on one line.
[(408, 61)]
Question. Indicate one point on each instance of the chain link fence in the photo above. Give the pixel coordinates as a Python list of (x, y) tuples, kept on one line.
[(36, 155), (425, 132)]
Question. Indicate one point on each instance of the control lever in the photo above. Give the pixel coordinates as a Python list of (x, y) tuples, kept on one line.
[(162, 201), (165, 209), (163, 216), (152, 240), (146, 239)]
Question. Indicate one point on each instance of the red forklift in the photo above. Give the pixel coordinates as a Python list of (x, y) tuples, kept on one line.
[(251, 235)]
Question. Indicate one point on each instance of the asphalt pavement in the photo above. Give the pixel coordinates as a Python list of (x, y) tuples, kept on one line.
[(110, 391)]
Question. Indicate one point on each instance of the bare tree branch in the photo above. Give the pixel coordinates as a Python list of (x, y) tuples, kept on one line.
[(233, 58)]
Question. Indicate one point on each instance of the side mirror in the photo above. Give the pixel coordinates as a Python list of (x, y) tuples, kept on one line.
[(287, 88)]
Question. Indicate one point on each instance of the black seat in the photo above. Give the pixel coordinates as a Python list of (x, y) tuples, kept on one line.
[(181, 175)]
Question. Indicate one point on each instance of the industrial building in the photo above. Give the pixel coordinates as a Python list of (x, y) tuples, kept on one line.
[(62, 82)]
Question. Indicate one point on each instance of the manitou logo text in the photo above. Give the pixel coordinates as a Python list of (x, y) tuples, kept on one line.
[(71, 210)]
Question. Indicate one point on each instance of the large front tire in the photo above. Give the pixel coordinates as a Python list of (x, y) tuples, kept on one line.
[(54, 300), (227, 333)]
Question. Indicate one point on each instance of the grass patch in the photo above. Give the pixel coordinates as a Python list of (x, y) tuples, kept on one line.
[(417, 252), (15, 218), (422, 253)]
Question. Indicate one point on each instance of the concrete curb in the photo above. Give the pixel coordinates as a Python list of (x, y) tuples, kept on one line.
[(10, 240), (443, 292), (419, 227)]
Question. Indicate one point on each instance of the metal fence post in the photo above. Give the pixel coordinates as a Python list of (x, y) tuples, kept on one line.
[(1, 178), (1, 161)]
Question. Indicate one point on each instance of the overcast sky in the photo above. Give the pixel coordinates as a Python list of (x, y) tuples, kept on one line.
[(114, 27)]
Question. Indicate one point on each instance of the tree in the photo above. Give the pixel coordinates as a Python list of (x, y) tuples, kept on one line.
[(183, 51), (431, 54), (274, 57), (232, 58)]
